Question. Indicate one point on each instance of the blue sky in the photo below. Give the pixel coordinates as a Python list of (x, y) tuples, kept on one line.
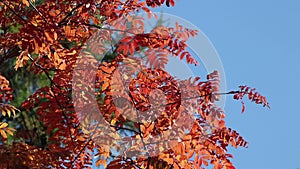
[(259, 45)]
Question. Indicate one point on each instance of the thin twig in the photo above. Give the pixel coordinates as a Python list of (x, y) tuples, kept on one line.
[(69, 15), (13, 11), (55, 97)]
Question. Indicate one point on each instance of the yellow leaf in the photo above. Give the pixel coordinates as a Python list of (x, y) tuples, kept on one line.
[(56, 57), (30, 157), (3, 112), (34, 23), (21, 59), (113, 121), (3, 134), (178, 157), (72, 53), (14, 112), (125, 77), (8, 112), (55, 35), (85, 131), (3, 125), (62, 66), (161, 149)]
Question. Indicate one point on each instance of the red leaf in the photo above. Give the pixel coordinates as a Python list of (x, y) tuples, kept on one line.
[(243, 107)]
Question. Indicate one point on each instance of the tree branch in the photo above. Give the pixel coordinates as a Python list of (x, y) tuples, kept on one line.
[(13, 11), (60, 23), (33, 6)]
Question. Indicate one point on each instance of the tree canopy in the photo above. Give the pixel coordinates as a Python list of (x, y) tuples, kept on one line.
[(83, 84)]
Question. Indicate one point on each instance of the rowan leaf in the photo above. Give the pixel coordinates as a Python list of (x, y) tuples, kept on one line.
[(3, 125), (25, 2), (3, 134), (49, 37), (94, 90)]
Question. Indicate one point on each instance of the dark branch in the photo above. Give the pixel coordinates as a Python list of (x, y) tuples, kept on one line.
[(33, 6), (13, 11), (64, 20)]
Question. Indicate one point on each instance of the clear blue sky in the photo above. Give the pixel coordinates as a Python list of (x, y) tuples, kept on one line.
[(258, 42)]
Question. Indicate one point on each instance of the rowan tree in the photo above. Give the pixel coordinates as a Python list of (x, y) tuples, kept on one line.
[(83, 80)]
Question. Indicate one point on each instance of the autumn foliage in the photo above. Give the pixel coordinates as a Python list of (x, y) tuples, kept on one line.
[(150, 119)]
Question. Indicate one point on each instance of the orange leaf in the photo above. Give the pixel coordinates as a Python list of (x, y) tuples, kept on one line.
[(48, 37), (105, 85), (36, 46), (243, 107), (3, 134), (106, 69), (25, 2), (10, 132), (51, 13), (67, 30), (101, 161)]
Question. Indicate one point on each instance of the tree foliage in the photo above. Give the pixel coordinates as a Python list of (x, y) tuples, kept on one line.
[(43, 126)]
